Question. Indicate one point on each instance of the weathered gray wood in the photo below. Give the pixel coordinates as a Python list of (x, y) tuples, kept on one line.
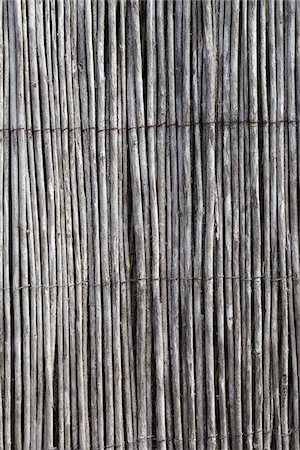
[(266, 221), (135, 172), (174, 307), (274, 244), (149, 242), (8, 343), (256, 223), (282, 225), (157, 217), (220, 246), (209, 55), (15, 254)]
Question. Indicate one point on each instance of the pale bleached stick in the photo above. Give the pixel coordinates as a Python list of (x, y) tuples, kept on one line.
[(71, 241), (15, 250), (96, 398), (2, 354), (77, 381), (164, 203), (114, 222), (281, 212), (75, 38), (8, 364), (292, 246), (33, 240), (44, 172), (210, 196), (50, 300), (104, 232), (56, 139), (64, 200)]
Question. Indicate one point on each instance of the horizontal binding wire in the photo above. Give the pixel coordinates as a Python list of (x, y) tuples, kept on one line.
[(192, 439), (250, 123), (151, 279)]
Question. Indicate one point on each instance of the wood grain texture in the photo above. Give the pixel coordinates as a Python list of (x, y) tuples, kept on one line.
[(149, 224)]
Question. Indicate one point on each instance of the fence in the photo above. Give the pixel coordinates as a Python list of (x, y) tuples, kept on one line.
[(149, 224)]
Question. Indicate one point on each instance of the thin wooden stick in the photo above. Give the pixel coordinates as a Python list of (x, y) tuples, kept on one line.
[(2, 354), (274, 244), (243, 157), (266, 222), (15, 255), (158, 253), (96, 398), (114, 224), (236, 223), (210, 195), (174, 306), (8, 364), (56, 139), (64, 194), (140, 254), (228, 226), (164, 205), (256, 222), (282, 226), (220, 246)]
